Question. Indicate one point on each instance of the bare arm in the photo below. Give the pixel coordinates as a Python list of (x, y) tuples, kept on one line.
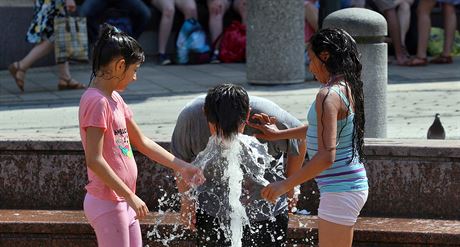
[(294, 133), (267, 125), (323, 159), (157, 153), (96, 162), (294, 164)]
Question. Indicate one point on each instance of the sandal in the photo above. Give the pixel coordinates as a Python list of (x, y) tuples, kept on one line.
[(442, 59), (70, 84), (14, 69), (417, 61)]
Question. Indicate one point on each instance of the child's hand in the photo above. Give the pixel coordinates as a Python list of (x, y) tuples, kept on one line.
[(192, 175), (267, 125), (138, 205), (274, 190)]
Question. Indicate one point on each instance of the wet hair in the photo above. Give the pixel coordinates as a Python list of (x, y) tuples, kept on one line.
[(344, 60), (111, 44), (226, 106)]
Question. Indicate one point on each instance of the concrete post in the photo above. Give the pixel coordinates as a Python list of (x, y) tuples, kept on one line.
[(275, 42), (368, 29)]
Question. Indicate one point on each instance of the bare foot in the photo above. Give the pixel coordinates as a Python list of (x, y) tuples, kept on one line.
[(18, 74), (69, 84)]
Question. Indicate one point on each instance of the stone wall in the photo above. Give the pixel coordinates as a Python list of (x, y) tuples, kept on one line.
[(408, 178)]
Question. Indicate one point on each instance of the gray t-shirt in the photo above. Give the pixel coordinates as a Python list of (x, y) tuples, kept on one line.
[(191, 135)]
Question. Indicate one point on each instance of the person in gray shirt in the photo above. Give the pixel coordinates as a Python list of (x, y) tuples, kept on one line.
[(190, 137)]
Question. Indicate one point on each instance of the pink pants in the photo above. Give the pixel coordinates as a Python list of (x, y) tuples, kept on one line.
[(113, 222)]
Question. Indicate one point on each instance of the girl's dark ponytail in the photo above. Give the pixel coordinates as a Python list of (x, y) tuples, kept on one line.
[(113, 43)]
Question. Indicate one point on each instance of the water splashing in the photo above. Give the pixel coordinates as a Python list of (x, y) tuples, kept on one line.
[(234, 171)]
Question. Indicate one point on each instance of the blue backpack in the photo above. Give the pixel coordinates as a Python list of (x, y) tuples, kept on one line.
[(191, 45)]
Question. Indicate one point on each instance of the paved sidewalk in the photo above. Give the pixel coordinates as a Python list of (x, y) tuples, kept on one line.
[(44, 113)]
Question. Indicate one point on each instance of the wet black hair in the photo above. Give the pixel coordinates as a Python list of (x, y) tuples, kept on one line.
[(113, 43), (226, 106), (344, 60)]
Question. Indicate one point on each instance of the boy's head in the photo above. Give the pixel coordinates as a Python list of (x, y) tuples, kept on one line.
[(227, 108)]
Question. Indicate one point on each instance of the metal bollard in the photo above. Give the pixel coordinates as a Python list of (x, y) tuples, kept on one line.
[(368, 28)]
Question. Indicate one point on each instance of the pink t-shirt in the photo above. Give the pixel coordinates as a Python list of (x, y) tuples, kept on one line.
[(110, 114)]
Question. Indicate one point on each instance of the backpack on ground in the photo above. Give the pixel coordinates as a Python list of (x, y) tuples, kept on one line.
[(232, 46), (192, 46)]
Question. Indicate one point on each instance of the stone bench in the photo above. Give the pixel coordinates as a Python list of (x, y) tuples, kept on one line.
[(17, 16), (70, 228)]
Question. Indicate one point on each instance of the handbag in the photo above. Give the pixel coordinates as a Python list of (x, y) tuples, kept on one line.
[(71, 39)]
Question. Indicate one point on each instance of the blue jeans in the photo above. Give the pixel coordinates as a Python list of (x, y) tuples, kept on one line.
[(139, 14)]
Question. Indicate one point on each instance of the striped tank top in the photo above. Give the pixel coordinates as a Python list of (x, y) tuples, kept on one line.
[(345, 174)]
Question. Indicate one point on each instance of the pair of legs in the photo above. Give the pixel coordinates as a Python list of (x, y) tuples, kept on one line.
[(394, 30), (424, 26), (311, 11), (18, 69), (187, 7), (217, 10), (138, 11), (113, 222)]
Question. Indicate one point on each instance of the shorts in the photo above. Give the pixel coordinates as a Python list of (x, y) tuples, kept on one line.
[(342, 208)]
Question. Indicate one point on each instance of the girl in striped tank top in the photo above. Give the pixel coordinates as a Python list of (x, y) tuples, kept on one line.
[(335, 138)]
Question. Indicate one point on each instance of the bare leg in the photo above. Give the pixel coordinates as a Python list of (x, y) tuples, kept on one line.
[(311, 14), (395, 34), (450, 25), (424, 24), (217, 9), (404, 19), (188, 8), (64, 71), (66, 81), (37, 52), (167, 15), (18, 69), (240, 7), (334, 235)]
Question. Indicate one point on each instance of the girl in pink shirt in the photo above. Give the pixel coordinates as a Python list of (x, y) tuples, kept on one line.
[(107, 130)]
